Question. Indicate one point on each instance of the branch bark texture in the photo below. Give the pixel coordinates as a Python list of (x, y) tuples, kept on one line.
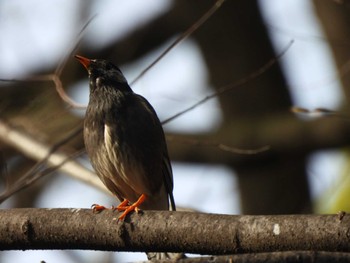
[(159, 231)]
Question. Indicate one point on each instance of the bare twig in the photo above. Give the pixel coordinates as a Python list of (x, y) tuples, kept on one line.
[(62, 93), (43, 153), (58, 86), (32, 176), (233, 85), (76, 43), (182, 37), (221, 146), (55, 77)]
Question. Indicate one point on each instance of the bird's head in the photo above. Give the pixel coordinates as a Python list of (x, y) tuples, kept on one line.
[(102, 71)]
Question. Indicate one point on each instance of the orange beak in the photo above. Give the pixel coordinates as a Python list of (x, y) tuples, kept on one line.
[(84, 61)]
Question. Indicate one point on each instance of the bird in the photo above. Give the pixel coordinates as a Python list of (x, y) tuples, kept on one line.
[(125, 142)]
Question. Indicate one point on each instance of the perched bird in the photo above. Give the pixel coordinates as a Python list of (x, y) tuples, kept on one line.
[(125, 141)]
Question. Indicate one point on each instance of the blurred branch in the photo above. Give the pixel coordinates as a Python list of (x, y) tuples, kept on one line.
[(213, 144), (36, 150), (282, 133), (160, 231), (55, 78)]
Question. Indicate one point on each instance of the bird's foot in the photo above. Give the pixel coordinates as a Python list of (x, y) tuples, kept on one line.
[(124, 206), (98, 208)]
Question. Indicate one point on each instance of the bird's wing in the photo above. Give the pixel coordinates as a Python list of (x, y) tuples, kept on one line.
[(166, 165)]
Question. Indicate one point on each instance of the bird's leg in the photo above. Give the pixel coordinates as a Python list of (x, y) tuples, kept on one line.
[(129, 208), (123, 205)]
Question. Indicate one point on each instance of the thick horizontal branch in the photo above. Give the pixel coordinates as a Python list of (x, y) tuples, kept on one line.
[(274, 257), (171, 231)]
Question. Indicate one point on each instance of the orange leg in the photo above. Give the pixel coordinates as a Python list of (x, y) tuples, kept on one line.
[(129, 208), (123, 205)]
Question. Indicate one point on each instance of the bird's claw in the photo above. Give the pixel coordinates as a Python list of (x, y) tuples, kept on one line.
[(97, 208), (129, 208), (123, 206)]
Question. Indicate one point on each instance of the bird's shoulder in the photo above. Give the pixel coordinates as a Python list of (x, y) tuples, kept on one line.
[(133, 107)]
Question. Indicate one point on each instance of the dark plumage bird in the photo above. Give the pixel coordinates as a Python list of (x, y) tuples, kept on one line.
[(125, 141)]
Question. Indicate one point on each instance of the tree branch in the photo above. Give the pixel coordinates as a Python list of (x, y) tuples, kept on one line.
[(273, 257), (171, 231)]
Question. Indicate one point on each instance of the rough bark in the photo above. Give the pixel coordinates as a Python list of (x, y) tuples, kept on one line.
[(171, 231)]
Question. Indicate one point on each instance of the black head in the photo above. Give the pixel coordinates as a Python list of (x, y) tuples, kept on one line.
[(102, 71)]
